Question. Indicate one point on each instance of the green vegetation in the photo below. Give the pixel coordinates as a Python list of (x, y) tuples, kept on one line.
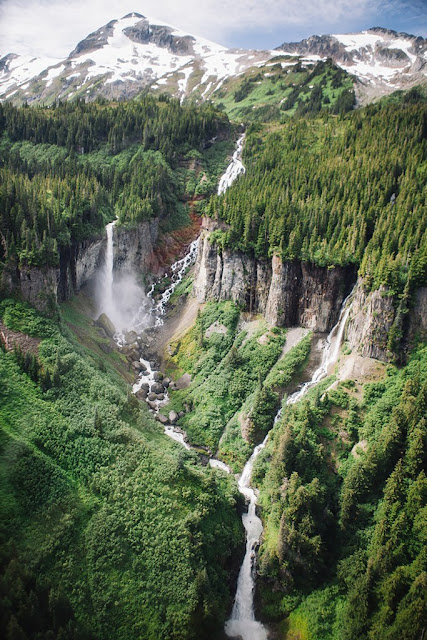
[(344, 549), (273, 92), (237, 380), (67, 170), (336, 191), (108, 529)]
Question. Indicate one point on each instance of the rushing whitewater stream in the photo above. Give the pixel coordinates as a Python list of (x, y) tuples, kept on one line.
[(234, 169), (242, 622), (151, 313)]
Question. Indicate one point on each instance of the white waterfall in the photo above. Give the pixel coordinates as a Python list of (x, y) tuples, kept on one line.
[(242, 622), (234, 169), (107, 279), (178, 271)]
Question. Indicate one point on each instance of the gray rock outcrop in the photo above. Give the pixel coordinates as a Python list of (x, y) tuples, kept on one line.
[(286, 293)]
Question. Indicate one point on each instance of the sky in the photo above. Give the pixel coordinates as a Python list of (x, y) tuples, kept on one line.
[(52, 28)]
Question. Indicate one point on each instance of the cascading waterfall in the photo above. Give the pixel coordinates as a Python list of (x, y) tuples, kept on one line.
[(158, 309), (234, 169), (242, 622), (178, 270)]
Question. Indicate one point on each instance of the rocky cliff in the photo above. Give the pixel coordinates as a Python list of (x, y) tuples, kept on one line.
[(302, 294), (372, 316), (43, 287), (134, 248), (370, 319), (286, 293)]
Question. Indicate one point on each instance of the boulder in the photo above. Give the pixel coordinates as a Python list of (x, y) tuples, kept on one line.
[(181, 414), (134, 354), (152, 396), (136, 365), (173, 416), (166, 382), (161, 418), (184, 381), (152, 405), (157, 387), (141, 394), (105, 323), (105, 347), (130, 337), (160, 396), (145, 386), (158, 375)]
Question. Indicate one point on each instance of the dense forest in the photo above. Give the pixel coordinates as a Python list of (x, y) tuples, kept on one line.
[(108, 529), (65, 171), (336, 190), (343, 495)]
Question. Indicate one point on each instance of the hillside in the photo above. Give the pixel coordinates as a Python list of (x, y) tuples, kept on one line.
[(201, 337), (135, 54)]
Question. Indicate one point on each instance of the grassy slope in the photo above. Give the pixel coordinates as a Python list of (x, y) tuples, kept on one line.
[(229, 363), (261, 94), (107, 525)]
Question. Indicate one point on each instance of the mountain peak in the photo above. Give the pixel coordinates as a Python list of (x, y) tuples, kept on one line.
[(133, 15)]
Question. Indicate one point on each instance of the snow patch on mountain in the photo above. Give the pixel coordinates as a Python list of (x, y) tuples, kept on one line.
[(16, 70)]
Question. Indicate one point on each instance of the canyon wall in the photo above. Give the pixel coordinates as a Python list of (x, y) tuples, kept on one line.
[(302, 294), (286, 293), (43, 287), (134, 248)]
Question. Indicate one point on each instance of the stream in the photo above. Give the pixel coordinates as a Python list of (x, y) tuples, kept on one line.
[(151, 385), (154, 388), (242, 622)]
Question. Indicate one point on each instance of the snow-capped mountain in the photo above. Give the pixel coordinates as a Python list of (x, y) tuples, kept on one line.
[(125, 56), (382, 60), (16, 70)]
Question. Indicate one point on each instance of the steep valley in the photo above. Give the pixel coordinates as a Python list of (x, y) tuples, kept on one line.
[(207, 333)]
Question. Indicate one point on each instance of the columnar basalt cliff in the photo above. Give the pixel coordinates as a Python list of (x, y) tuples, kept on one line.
[(300, 293), (286, 293)]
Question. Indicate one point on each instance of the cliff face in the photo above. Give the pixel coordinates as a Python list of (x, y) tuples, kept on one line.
[(286, 293), (134, 248), (370, 319), (43, 287)]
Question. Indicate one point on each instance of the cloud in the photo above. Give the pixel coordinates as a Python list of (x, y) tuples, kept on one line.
[(53, 27)]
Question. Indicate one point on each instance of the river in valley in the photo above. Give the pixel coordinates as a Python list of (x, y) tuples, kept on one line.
[(242, 623), (154, 387)]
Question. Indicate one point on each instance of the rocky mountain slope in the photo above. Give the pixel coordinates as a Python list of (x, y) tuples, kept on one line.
[(124, 57), (129, 55), (382, 60)]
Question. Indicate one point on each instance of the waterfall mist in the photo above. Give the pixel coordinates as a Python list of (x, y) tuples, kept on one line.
[(119, 295)]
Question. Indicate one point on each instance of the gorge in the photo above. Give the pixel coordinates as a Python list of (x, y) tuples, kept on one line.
[(213, 364)]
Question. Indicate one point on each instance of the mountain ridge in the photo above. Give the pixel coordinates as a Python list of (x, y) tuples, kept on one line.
[(134, 53)]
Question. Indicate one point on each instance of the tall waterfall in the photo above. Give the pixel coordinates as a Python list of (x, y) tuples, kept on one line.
[(107, 278), (242, 622)]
